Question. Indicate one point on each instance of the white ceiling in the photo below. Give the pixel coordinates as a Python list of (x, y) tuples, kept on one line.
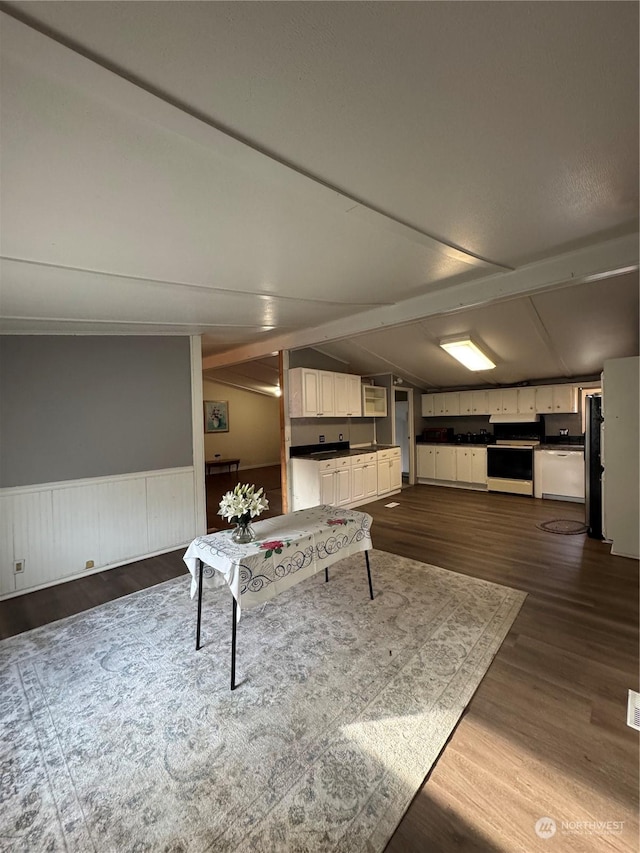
[(284, 174)]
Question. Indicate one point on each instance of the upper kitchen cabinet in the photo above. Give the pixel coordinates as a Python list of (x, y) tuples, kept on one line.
[(374, 401), (427, 405), (526, 401), (437, 405), (479, 402), (494, 400), (311, 393), (347, 395), (560, 399), (452, 403)]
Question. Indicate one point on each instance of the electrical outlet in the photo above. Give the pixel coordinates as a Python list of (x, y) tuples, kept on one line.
[(89, 564), (340, 437), (321, 439), (18, 567)]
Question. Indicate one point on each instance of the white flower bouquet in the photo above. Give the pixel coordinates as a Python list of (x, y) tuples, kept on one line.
[(243, 503)]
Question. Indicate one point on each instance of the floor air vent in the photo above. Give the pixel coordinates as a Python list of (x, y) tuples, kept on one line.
[(633, 710)]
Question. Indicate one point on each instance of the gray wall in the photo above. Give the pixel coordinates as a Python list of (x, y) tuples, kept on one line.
[(82, 406)]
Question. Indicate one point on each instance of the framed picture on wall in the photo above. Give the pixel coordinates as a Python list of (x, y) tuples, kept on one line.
[(216, 416)]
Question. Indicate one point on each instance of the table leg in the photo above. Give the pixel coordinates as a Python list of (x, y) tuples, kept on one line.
[(234, 622), (199, 604), (366, 556), (326, 575)]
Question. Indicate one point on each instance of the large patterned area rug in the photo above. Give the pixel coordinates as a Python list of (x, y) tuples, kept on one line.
[(118, 736)]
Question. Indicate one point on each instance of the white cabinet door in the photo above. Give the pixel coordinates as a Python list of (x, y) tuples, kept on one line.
[(343, 485), (526, 401), (463, 464), (328, 487), (427, 406), (357, 478), (509, 401), (446, 463), (479, 465), (494, 400), (347, 396), (340, 395), (384, 472), (466, 402), (327, 403), (371, 477), (384, 477), (565, 398), (452, 403), (479, 403), (426, 461), (544, 399), (354, 395), (395, 472), (304, 393), (439, 404)]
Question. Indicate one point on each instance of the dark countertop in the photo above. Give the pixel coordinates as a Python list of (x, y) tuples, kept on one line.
[(453, 444), (579, 448), (319, 456)]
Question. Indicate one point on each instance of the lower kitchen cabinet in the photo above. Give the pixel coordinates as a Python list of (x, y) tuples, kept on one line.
[(445, 462), (345, 480), (343, 486), (463, 464), (450, 465), (389, 470), (426, 461), (364, 477), (479, 465), (327, 487)]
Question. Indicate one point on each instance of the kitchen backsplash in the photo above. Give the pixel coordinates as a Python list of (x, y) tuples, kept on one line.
[(552, 423), (355, 431)]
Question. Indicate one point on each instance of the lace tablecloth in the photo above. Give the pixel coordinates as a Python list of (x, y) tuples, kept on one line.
[(287, 549)]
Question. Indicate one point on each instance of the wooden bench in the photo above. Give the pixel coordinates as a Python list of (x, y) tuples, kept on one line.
[(221, 463)]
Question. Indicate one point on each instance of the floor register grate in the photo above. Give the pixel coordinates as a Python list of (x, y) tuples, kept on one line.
[(633, 710)]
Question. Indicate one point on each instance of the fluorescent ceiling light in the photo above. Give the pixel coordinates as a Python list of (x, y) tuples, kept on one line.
[(468, 354)]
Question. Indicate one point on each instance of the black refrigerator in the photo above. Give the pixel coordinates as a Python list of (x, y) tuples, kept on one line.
[(593, 466)]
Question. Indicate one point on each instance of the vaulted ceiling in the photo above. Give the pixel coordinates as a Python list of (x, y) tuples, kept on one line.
[(362, 177)]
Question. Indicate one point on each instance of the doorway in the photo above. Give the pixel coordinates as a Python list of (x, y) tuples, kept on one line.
[(403, 431)]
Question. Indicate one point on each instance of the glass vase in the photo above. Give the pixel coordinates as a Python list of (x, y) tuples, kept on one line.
[(243, 532)]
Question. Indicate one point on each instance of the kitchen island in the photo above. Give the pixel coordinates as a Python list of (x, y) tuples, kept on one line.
[(344, 476)]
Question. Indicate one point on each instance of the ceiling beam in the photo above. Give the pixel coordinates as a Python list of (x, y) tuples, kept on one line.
[(601, 260)]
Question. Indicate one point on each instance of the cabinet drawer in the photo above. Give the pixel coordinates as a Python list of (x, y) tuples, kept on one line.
[(363, 458), (327, 465), (342, 462)]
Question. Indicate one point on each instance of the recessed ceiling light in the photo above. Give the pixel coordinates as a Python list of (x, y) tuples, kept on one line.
[(467, 353)]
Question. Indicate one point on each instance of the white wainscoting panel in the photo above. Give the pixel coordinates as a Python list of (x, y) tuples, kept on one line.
[(56, 528), (33, 539), (76, 513), (7, 580), (170, 509), (123, 520)]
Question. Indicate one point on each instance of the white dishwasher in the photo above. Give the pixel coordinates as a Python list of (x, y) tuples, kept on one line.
[(559, 474)]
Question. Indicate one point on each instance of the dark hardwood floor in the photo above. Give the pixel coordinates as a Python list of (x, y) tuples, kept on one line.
[(545, 734), (217, 484)]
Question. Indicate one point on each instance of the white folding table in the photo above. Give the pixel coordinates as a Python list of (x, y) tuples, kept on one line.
[(287, 550)]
